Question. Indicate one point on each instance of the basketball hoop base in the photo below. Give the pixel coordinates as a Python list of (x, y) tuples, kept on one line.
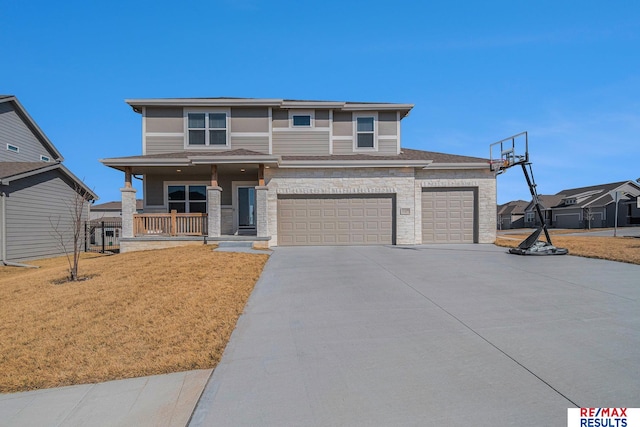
[(532, 246)]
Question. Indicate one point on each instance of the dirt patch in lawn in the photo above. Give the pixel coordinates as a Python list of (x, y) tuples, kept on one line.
[(623, 249), (138, 314)]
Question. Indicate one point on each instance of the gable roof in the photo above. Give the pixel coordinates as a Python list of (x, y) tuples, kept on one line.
[(32, 125), (547, 201), (594, 195), (407, 158), (514, 207), (13, 171), (138, 104)]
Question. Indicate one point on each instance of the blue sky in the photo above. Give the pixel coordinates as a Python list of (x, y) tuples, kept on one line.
[(567, 72)]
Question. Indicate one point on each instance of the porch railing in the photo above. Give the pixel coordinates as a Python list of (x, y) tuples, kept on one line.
[(170, 224)]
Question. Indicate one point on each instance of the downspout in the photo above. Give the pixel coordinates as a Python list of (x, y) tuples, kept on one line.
[(3, 236)]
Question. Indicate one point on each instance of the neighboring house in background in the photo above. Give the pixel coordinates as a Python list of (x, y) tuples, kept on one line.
[(37, 190), (511, 214), (546, 202), (291, 172), (105, 225), (588, 207), (111, 211), (593, 207)]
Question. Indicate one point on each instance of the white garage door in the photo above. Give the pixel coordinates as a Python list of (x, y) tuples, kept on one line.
[(448, 216), (335, 220)]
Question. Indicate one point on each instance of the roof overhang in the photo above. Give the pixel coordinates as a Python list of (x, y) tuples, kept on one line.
[(458, 166), (81, 185), (138, 104), (353, 163)]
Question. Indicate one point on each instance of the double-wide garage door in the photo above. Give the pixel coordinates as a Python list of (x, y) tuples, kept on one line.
[(448, 216), (335, 220)]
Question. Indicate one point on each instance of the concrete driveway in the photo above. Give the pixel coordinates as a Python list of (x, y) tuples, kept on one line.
[(429, 335)]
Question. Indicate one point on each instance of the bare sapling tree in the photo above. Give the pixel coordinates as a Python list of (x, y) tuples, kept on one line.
[(69, 231)]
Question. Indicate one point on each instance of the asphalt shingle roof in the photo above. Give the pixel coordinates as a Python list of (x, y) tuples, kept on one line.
[(8, 169)]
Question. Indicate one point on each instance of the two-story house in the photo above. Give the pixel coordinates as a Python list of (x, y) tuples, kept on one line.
[(38, 194), (291, 172)]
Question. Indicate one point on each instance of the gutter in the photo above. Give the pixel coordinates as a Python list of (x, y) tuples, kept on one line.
[(3, 236)]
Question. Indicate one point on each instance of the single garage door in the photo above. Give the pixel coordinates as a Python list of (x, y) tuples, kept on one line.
[(335, 220), (448, 215)]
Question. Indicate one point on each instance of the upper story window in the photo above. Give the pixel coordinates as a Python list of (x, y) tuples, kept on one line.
[(301, 120), (365, 132), (45, 158), (207, 129), (13, 148)]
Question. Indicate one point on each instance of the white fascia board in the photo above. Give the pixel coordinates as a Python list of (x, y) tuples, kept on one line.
[(458, 166), (377, 107), (203, 102), (354, 164), (311, 104), (145, 162), (203, 160)]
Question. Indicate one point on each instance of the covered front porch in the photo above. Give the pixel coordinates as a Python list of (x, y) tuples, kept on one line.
[(195, 198)]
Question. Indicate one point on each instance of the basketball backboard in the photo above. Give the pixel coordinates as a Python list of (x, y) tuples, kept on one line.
[(508, 152)]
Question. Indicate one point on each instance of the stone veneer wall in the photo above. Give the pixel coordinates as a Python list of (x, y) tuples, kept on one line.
[(226, 220), (405, 183), (483, 180)]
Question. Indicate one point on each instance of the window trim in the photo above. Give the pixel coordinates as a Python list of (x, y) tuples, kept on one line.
[(44, 158), (13, 148), (206, 112), (364, 115), (167, 184), (310, 113)]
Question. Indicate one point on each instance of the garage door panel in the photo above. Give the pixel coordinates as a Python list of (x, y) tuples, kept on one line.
[(448, 216), (344, 220)]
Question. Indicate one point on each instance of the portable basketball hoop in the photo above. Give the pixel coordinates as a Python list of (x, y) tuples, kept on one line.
[(515, 151)]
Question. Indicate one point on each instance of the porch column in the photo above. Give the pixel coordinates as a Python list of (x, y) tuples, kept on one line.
[(213, 209), (128, 210), (262, 227)]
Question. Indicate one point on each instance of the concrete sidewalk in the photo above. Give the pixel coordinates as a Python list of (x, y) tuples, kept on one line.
[(160, 400), (430, 335)]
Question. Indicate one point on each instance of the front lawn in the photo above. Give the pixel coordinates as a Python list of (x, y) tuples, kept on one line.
[(140, 313)]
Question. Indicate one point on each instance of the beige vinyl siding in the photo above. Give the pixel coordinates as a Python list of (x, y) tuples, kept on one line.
[(387, 123), (159, 144), (387, 147), (225, 181), (153, 190), (37, 208), (280, 118), (161, 119), (342, 123), (342, 146), (14, 131), (253, 143), (249, 120), (301, 143), (322, 118)]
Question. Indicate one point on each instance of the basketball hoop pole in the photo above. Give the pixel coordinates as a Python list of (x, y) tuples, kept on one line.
[(536, 203)]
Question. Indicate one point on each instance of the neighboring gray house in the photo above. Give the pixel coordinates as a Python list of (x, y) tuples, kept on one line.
[(546, 202), (292, 172), (36, 190), (511, 214), (593, 206)]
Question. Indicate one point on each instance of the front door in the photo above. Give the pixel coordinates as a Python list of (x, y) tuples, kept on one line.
[(246, 208)]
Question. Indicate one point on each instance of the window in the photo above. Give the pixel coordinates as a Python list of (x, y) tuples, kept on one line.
[(530, 217), (13, 148), (301, 120), (45, 158), (187, 198), (365, 132), (207, 129)]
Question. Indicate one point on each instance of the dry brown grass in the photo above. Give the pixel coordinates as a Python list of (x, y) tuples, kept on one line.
[(623, 249), (141, 313)]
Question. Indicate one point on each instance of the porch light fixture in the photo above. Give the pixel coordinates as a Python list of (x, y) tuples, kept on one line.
[(241, 170), (178, 170)]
